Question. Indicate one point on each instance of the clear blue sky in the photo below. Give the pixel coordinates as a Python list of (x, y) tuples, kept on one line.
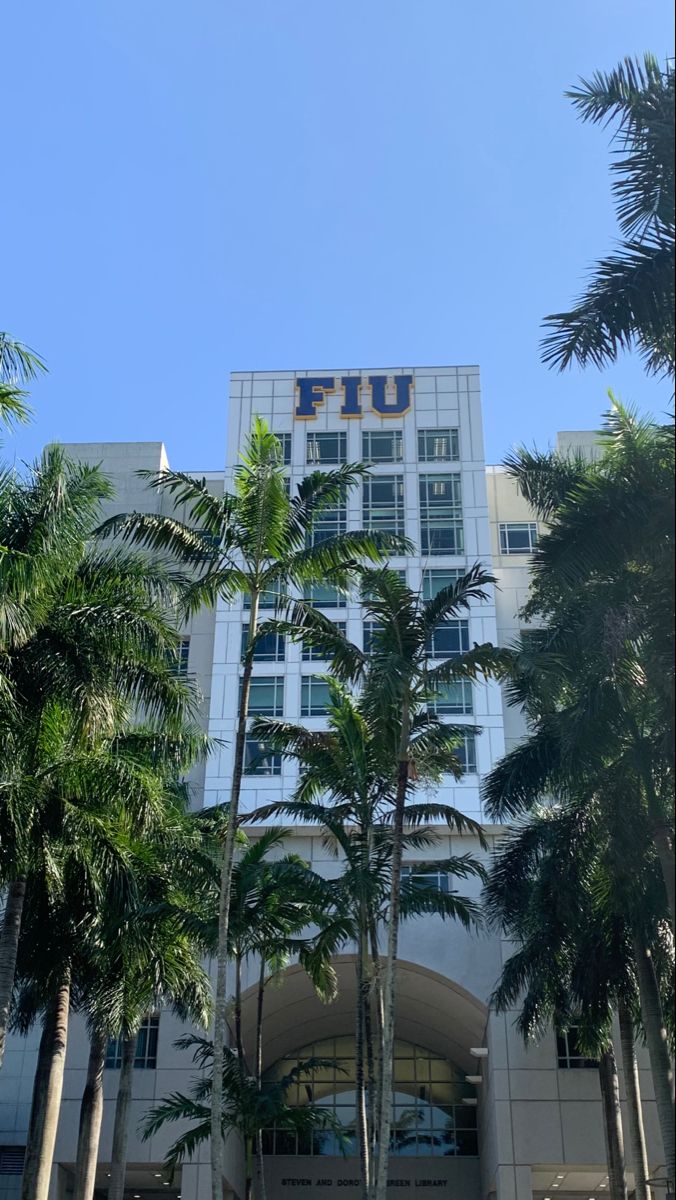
[(194, 188)]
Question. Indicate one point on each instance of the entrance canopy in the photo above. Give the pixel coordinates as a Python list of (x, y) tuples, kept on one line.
[(432, 1011)]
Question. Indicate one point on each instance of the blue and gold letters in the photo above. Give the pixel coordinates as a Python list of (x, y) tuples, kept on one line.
[(313, 390)]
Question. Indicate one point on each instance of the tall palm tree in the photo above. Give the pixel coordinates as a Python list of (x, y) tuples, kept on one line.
[(598, 684), (83, 633), (562, 888), (398, 682), (94, 810), (630, 298), (143, 957), (252, 541)]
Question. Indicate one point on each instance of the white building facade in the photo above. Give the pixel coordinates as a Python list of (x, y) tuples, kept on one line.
[(492, 1118)]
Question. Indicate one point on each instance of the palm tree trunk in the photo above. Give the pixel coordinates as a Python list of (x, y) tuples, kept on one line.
[(91, 1114), (385, 1122), (658, 1050), (380, 1021), (47, 1090), (221, 997), (9, 944), (238, 1008), (362, 1118), (118, 1159), (632, 1085), (612, 1121), (664, 846), (260, 1000)]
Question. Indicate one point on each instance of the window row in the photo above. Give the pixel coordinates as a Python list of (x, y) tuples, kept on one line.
[(449, 639), (266, 697), (322, 595), (377, 446), (259, 759)]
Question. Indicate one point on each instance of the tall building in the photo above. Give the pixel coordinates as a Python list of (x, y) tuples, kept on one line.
[(477, 1115)]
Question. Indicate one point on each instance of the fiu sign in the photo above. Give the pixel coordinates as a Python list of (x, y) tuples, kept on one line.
[(388, 397)]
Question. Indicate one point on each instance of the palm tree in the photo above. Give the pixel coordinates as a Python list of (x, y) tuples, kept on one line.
[(246, 1108), (86, 866), (18, 365), (144, 957), (560, 888), (398, 683), (81, 633), (598, 684), (630, 298), (254, 540)]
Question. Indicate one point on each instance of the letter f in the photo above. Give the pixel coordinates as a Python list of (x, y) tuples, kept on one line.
[(311, 392)]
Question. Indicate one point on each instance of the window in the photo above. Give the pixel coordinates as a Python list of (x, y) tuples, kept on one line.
[(466, 753), (329, 523), (568, 1051), (430, 876), (266, 697), (284, 440), (384, 503), (320, 653), (518, 537), (325, 448), (441, 529), (11, 1161), (434, 581), (428, 1114), (449, 639), (453, 698), (370, 629), (146, 1046), (178, 657), (322, 595), (382, 446), (314, 696), (259, 759), (438, 445), (268, 599), (268, 648)]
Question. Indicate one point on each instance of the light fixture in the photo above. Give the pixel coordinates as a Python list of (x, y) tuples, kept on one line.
[(479, 1051), (473, 1078), (157, 1174), (470, 1100)]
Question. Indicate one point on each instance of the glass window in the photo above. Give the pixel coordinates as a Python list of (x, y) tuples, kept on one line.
[(429, 876), (322, 595), (259, 759), (455, 697), (429, 1117), (370, 629), (268, 599), (266, 697), (177, 658), (384, 503), (466, 753), (269, 648), (284, 440), (435, 580), (314, 696), (518, 537), (146, 1046), (382, 446), (329, 523), (320, 653), (449, 639), (326, 448), (568, 1051), (441, 529), (438, 445)]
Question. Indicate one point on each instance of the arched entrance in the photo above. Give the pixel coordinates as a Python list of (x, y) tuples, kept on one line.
[(434, 1149)]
